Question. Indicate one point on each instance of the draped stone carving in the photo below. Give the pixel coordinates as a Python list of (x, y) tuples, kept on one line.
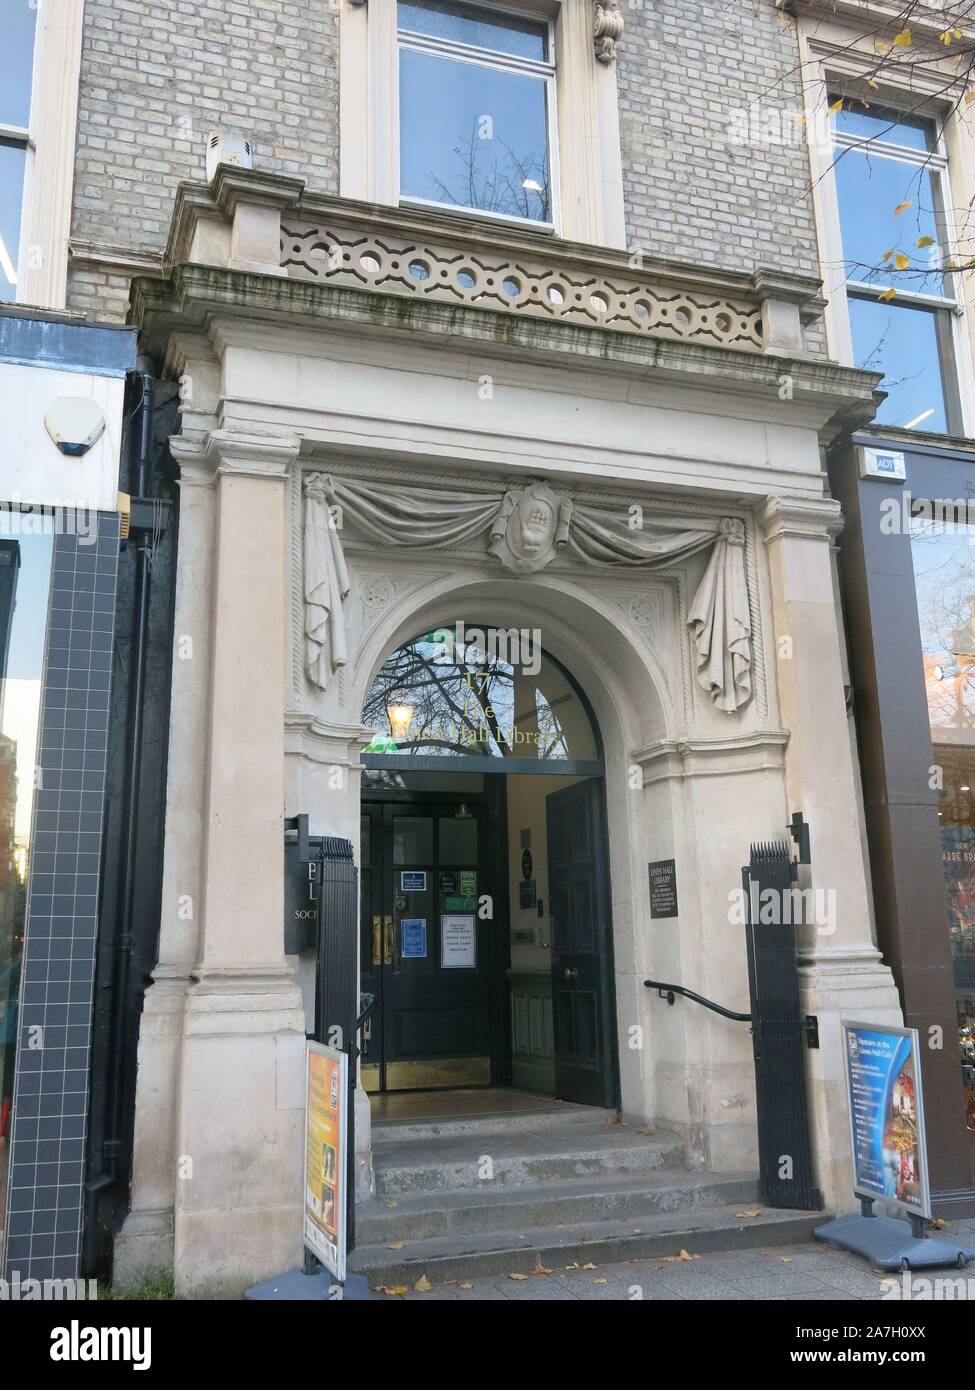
[(525, 528)]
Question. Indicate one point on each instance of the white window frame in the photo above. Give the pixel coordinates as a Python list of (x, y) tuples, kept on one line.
[(586, 166), (497, 61), (832, 66)]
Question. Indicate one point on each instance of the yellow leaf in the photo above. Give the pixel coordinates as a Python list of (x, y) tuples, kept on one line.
[(465, 1286), (540, 1269), (901, 261), (590, 1266), (422, 1285), (600, 1281), (517, 1276), (684, 1256), (902, 207), (873, 84), (837, 105), (391, 1204), (755, 1212), (888, 254), (925, 241), (945, 37), (886, 296), (786, 1259), (903, 39), (881, 46), (397, 1289), (396, 1245)]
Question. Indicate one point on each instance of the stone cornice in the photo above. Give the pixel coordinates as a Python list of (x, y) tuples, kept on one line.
[(802, 519), (222, 452), (193, 295), (321, 741), (677, 759)]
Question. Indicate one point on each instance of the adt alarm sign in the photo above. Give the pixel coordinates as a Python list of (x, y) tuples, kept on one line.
[(883, 1077)]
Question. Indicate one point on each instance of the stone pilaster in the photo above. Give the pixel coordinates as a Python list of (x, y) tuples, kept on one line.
[(842, 974)]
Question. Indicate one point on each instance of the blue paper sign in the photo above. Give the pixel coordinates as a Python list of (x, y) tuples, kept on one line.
[(413, 881), (413, 937), (883, 1076)]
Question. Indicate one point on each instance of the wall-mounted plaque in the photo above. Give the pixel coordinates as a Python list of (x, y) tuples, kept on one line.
[(663, 888)]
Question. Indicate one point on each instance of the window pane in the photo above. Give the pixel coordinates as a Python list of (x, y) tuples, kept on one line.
[(477, 28), (473, 137), (869, 189), (16, 61), (904, 343), (25, 574), (412, 840), (881, 123), (12, 160), (944, 573)]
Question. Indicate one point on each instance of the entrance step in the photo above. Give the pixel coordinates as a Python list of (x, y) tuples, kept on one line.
[(596, 1242), (426, 1215), (503, 1193), (509, 1157)]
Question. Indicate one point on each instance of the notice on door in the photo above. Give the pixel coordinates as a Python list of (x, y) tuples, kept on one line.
[(413, 938), (663, 888), (326, 1111), (458, 941), (413, 881)]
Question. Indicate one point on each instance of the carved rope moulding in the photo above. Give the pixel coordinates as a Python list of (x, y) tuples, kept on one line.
[(421, 271)]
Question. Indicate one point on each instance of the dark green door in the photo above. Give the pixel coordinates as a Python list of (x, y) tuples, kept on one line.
[(426, 949), (579, 906)]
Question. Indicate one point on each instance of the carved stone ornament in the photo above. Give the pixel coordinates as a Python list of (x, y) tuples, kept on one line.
[(607, 29), (525, 528), (531, 526)]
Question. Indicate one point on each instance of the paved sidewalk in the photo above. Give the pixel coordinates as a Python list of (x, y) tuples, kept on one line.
[(807, 1271)]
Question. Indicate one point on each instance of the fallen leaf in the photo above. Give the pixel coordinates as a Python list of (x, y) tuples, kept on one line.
[(422, 1285), (396, 1245), (540, 1269), (600, 1281), (398, 1289), (685, 1256), (575, 1266), (754, 1212), (786, 1259), (590, 1266), (391, 1204), (517, 1276), (465, 1286), (647, 1132)]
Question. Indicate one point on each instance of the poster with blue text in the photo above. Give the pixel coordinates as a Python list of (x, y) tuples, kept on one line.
[(883, 1076)]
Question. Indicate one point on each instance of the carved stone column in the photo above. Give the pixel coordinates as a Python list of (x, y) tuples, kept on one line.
[(240, 1103), (842, 974)]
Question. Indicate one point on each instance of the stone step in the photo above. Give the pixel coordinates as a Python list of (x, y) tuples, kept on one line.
[(509, 1159), (471, 1255), (568, 1116), (425, 1215)]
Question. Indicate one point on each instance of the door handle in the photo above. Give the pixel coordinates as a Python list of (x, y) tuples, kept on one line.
[(388, 941), (377, 941), (571, 973)]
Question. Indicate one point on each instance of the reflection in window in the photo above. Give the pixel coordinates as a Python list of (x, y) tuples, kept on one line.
[(16, 67), (891, 188), (475, 101), (492, 693), (25, 571), (944, 571)]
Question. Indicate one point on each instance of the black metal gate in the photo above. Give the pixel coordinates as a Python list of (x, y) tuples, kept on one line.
[(779, 1032)]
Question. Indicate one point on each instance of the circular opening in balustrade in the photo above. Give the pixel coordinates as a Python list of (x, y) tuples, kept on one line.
[(555, 295), (511, 286), (599, 302), (467, 279), (369, 262), (641, 309), (683, 318), (419, 270), (723, 322)]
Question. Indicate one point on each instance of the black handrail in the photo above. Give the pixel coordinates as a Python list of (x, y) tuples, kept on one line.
[(668, 991)]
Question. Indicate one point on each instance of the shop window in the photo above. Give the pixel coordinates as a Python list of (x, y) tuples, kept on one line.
[(25, 576), (891, 179), (477, 103), (16, 65), (944, 571)]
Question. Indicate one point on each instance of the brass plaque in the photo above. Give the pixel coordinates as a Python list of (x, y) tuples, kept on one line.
[(369, 1074), (442, 1071)]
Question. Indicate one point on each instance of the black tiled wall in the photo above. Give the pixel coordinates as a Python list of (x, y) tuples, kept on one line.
[(47, 1159)]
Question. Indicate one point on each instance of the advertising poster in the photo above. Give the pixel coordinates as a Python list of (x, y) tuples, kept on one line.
[(327, 1094), (886, 1115)]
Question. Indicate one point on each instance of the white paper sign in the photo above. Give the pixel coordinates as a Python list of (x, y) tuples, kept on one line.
[(458, 941)]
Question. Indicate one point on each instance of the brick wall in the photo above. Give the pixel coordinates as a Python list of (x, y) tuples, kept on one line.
[(157, 77), (685, 68)]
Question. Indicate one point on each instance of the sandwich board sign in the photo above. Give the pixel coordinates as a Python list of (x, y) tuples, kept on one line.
[(326, 1157)]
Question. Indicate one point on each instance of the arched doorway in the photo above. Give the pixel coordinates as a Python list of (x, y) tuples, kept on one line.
[(486, 907)]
